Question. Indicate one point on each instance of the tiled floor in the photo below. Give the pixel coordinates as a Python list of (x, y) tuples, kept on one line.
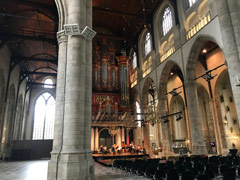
[(37, 170)]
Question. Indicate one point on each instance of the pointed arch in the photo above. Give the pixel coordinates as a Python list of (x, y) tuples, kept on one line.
[(44, 117)]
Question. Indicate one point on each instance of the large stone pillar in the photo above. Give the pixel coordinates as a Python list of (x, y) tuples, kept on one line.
[(137, 135), (74, 160), (166, 150), (60, 90), (198, 145), (228, 13)]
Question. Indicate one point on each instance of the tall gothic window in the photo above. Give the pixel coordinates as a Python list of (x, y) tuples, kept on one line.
[(167, 23), (134, 60), (189, 3), (147, 44), (48, 83), (138, 114), (44, 117)]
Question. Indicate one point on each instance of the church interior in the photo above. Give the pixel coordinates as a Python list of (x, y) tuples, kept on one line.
[(150, 88)]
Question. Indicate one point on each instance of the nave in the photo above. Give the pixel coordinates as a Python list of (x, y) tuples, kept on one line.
[(37, 170)]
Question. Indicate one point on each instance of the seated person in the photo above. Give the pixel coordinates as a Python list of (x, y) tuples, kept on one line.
[(101, 149), (119, 149), (105, 151)]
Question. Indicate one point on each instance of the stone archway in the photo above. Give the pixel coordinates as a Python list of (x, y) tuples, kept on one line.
[(192, 97), (105, 138), (165, 97), (206, 117), (179, 127), (151, 130), (227, 114)]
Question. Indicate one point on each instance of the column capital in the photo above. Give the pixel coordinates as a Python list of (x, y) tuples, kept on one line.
[(61, 37)]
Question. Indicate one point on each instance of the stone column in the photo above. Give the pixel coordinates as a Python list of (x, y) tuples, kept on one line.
[(59, 111), (137, 135), (123, 135), (75, 158), (146, 137), (118, 137), (216, 127), (96, 140), (198, 145), (127, 138), (60, 90), (166, 150), (228, 13), (92, 139)]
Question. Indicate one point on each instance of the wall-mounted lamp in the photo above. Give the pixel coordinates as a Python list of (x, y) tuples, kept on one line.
[(179, 117), (204, 51), (174, 91), (207, 75), (165, 120)]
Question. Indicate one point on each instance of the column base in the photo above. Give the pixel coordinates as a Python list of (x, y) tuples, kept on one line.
[(71, 166), (199, 150)]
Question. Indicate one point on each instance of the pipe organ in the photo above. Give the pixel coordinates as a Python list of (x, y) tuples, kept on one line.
[(111, 83)]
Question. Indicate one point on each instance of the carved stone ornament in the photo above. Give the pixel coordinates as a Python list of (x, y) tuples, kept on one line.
[(61, 37)]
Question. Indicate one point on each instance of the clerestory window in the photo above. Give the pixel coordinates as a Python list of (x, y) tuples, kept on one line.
[(190, 3), (147, 44), (167, 22), (134, 60)]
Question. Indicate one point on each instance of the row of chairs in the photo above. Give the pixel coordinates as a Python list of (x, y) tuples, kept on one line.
[(188, 168)]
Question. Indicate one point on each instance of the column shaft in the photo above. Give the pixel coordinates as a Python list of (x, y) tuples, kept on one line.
[(228, 13), (198, 144)]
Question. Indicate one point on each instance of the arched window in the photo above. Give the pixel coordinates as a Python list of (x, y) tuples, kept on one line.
[(134, 60), (167, 21), (189, 3), (48, 83), (44, 117), (147, 44), (138, 114)]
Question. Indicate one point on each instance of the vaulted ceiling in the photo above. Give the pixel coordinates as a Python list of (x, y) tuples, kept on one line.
[(28, 28)]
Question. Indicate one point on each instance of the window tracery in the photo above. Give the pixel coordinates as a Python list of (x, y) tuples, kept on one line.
[(167, 23), (147, 44), (190, 3), (134, 60), (44, 117)]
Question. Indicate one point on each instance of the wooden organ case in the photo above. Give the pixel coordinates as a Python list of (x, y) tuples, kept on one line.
[(110, 93)]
